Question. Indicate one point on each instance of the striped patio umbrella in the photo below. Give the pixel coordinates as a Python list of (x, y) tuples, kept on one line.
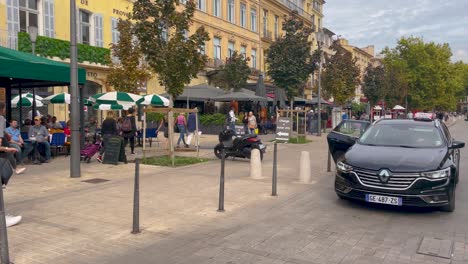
[(112, 106), (61, 98), (155, 100), (117, 98), (26, 100)]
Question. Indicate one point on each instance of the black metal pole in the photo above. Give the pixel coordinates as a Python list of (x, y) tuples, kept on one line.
[(274, 181), (34, 104), (75, 169), (136, 199), (20, 124), (329, 162), (81, 106), (221, 183), (5, 255)]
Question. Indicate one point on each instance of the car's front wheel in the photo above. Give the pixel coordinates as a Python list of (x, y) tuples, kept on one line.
[(450, 207)]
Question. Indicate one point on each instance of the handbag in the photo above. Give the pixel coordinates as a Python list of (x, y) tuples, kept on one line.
[(176, 128), (5, 170)]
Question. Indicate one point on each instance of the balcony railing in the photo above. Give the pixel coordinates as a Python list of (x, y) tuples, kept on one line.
[(214, 63), (8, 40), (292, 6), (267, 35)]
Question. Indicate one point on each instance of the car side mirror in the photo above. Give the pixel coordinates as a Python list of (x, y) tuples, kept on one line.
[(457, 145)]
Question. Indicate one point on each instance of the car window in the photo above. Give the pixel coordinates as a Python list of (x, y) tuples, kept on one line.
[(404, 135), (446, 132), (354, 129)]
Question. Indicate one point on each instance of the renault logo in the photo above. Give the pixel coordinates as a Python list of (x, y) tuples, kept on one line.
[(384, 176)]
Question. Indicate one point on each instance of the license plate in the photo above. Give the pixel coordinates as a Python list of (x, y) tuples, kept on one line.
[(372, 198)]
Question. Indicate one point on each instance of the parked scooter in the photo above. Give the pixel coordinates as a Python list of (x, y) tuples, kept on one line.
[(238, 146)]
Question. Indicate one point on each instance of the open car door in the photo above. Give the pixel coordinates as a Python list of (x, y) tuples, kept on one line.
[(344, 135)]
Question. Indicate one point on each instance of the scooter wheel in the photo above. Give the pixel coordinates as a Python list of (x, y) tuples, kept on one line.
[(217, 151)]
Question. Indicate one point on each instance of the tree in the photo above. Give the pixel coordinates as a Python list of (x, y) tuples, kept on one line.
[(127, 72), (289, 58), (341, 75), (163, 34), (162, 28), (427, 70), (232, 75), (373, 85)]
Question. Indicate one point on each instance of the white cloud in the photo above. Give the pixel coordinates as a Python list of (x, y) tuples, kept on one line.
[(383, 22)]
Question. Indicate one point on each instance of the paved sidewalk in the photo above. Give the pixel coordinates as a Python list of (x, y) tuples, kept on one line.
[(69, 221)]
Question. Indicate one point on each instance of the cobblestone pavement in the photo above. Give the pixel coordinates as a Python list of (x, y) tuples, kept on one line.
[(70, 221)]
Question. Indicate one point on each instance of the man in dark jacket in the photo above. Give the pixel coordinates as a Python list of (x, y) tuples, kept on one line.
[(191, 127)]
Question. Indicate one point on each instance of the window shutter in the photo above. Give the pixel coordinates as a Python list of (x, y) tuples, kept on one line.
[(13, 23), (98, 30), (49, 20), (115, 31)]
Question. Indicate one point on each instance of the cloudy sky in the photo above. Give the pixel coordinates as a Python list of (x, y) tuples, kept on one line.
[(383, 22)]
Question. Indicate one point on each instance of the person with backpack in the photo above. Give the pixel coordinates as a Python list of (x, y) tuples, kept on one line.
[(129, 129), (109, 129)]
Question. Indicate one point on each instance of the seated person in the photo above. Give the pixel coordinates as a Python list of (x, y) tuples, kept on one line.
[(17, 142), (91, 126), (39, 135), (54, 124)]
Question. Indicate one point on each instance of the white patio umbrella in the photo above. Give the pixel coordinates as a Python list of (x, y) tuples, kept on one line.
[(26, 100), (60, 98), (398, 107), (112, 106), (377, 107), (117, 98), (155, 100)]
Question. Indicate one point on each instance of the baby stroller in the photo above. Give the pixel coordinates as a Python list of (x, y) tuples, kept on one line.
[(90, 150)]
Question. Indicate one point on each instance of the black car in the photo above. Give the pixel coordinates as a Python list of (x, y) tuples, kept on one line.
[(399, 162)]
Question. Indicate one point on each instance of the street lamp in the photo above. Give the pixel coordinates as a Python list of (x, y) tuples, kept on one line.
[(319, 35), (32, 30)]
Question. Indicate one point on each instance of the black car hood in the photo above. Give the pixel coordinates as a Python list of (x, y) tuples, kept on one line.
[(396, 159)]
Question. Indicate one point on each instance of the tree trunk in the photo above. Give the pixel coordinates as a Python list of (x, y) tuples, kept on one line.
[(170, 122), (291, 102)]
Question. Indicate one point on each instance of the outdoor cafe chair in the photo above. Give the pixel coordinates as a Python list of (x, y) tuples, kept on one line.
[(58, 141)]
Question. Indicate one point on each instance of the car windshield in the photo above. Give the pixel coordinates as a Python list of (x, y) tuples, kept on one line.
[(352, 128), (402, 135)]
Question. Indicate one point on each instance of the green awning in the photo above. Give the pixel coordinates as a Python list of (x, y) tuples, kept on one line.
[(20, 65)]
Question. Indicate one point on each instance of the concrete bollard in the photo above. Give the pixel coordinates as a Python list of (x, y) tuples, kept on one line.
[(255, 165), (305, 171)]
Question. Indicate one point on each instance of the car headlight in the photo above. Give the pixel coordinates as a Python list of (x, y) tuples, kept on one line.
[(436, 174), (341, 166)]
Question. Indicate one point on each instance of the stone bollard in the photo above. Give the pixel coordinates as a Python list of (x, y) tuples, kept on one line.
[(305, 171), (255, 165)]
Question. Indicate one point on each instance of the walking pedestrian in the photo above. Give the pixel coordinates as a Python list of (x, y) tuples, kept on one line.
[(163, 127), (191, 127), (181, 125), (108, 129), (129, 130), (245, 121), (232, 120), (252, 123)]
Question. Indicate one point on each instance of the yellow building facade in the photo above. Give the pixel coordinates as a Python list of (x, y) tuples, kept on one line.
[(246, 26), (364, 57)]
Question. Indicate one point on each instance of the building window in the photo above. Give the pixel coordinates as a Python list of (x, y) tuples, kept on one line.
[(254, 58), (231, 11), (217, 48), (84, 27), (276, 26), (115, 31), (319, 24), (202, 49), (217, 8), (98, 30), (230, 49), (243, 51), (28, 14), (202, 5), (253, 20), (265, 23), (13, 23), (243, 15), (49, 23)]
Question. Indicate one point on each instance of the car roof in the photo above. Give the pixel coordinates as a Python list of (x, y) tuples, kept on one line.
[(427, 123)]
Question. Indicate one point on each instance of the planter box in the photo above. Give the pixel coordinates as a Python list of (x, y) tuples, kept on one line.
[(211, 129)]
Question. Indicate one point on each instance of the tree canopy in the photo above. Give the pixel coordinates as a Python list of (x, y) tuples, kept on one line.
[(433, 82), (172, 53), (289, 58), (232, 75), (373, 85), (128, 71), (340, 75)]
